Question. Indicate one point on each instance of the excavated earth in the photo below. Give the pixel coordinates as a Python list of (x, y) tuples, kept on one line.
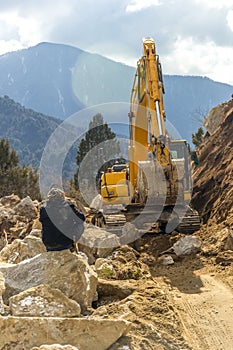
[(174, 301), (213, 190)]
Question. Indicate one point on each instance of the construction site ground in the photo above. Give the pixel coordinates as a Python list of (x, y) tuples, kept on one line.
[(186, 305)]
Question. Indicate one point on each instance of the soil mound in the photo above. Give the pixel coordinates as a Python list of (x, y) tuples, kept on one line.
[(213, 178)]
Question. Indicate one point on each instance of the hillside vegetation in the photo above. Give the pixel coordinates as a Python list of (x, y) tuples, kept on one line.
[(27, 130)]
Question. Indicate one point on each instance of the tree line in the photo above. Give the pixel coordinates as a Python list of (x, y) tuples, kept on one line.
[(24, 180), (20, 180)]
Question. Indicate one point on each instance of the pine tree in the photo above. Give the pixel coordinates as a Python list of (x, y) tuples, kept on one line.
[(98, 132), (197, 137), (22, 181)]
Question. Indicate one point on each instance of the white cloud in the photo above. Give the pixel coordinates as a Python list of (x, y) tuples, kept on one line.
[(205, 59), (230, 19), (32, 25), (27, 29), (192, 36), (217, 4), (10, 45), (138, 5)]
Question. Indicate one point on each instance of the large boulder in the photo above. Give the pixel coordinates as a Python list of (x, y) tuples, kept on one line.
[(26, 208), (96, 243), (43, 301), (84, 333), (63, 270), (20, 250)]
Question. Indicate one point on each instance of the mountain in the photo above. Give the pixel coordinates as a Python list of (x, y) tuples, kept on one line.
[(60, 80), (188, 100)]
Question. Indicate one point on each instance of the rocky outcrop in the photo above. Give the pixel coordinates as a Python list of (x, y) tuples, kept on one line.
[(43, 301), (217, 115), (9, 201), (82, 333), (68, 272)]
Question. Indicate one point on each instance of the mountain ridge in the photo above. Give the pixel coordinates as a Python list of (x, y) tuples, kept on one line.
[(60, 80)]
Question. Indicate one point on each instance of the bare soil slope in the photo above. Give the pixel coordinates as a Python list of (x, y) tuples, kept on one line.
[(213, 178)]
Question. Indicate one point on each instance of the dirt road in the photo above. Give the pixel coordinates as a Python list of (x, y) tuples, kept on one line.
[(187, 305), (206, 313)]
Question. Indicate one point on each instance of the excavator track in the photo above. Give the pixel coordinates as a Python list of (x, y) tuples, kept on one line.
[(115, 217), (190, 222)]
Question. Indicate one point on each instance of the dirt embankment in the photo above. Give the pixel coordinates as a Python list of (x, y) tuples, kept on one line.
[(213, 178)]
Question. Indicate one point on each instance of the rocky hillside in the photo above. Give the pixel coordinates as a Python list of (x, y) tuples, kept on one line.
[(216, 115), (213, 178)]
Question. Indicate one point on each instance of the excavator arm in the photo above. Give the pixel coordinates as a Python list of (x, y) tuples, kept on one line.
[(147, 114)]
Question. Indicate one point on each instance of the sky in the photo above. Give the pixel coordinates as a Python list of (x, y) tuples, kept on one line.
[(193, 37)]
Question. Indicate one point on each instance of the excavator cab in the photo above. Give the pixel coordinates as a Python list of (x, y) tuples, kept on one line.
[(115, 185)]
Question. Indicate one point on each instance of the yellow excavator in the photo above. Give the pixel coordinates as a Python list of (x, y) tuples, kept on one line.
[(155, 185)]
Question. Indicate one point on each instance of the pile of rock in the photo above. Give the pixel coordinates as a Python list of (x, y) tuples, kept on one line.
[(47, 297), (16, 218)]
